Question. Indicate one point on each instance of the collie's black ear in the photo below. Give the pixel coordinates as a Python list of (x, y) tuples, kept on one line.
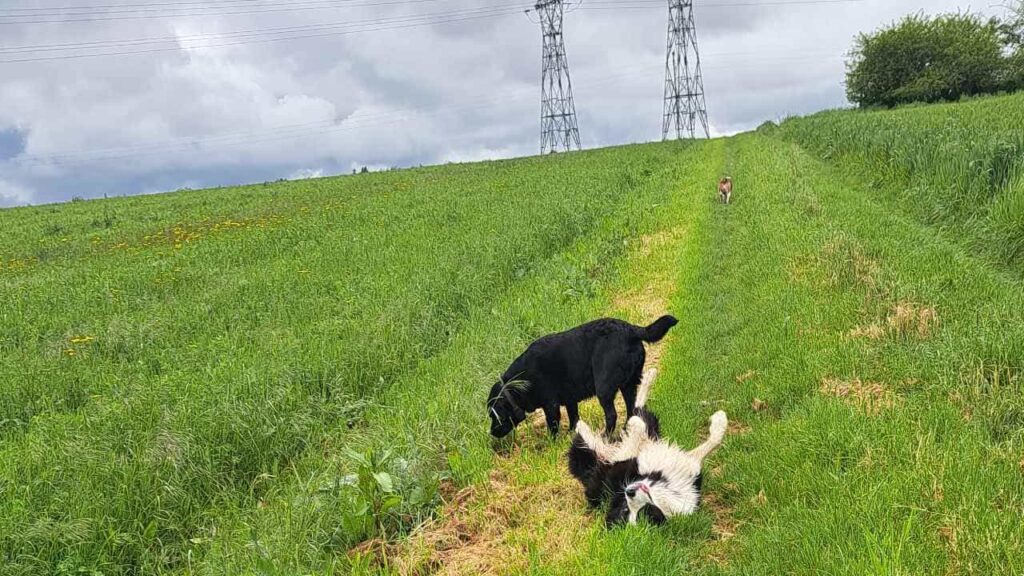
[(653, 514), (618, 513)]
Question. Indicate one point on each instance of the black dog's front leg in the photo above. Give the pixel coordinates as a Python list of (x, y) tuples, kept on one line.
[(553, 416), (574, 415)]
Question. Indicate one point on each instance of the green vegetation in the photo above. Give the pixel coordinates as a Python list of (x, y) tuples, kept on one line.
[(290, 379), (932, 59), (959, 167), (186, 374)]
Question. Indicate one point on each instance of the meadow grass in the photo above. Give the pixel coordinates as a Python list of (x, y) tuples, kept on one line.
[(957, 166), (855, 450), (161, 377), (871, 370), (290, 379)]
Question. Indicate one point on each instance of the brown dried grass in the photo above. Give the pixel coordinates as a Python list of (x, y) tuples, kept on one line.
[(870, 397), (908, 319), (905, 319), (748, 375), (492, 528)]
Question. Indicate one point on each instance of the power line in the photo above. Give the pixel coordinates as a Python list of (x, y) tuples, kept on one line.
[(276, 7), (256, 33), (658, 4), (207, 4), (118, 43), (463, 17), (155, 13)]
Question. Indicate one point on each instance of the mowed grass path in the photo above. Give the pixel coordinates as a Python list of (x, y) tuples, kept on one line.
[(871, 371)]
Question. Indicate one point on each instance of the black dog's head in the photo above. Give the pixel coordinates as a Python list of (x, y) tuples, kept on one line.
[(503, 410)]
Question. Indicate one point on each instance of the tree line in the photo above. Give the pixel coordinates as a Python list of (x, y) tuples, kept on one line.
[(940, 58)]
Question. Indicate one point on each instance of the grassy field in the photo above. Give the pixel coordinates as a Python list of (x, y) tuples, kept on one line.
[(290, 378), (959, 167)]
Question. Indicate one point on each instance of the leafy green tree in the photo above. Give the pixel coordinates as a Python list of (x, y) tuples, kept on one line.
[(921, 59), (1013, 36)]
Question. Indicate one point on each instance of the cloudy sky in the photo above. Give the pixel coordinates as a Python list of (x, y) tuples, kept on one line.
[(139, 96)]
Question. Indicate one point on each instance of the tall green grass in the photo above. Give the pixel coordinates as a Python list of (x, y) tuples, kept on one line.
[(922, 476), (256, 380), (958, 166), (161, 376)]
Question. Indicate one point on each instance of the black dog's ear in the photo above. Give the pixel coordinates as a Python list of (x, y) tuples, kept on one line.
[(518, 413), (493, 394)]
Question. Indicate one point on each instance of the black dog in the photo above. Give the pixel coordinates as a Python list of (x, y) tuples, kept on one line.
[(598, 358)]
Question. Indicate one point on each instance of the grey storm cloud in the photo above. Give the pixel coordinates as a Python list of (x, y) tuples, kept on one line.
[(468, 89)]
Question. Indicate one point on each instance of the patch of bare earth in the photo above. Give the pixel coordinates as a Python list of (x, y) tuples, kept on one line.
[(525, 509), (736, 428), (870, 397)]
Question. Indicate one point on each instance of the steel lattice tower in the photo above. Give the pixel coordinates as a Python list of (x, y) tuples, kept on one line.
[(558, 130), (684, 84)]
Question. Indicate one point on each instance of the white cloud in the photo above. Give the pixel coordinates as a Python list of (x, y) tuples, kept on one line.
[(449, 92), (14, 195), (305, 173)]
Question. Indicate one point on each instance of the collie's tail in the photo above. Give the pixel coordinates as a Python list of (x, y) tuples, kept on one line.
[(643, 392)]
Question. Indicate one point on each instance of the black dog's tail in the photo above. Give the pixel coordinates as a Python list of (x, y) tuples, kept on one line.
[(657, 330), (582, 459)]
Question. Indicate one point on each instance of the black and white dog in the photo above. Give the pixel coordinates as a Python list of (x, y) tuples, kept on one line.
[(599, 358), (643, 475)]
